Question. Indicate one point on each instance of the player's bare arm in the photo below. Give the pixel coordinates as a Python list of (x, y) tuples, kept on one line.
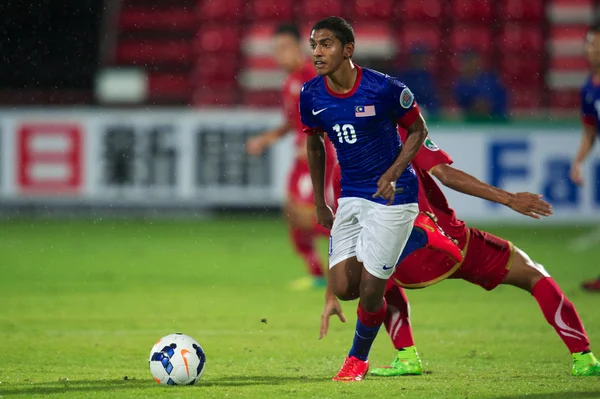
[(417, 133), (258, 144), (527, 204), (588, 137), (315, 152)]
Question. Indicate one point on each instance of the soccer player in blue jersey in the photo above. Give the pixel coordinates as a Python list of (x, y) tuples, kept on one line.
[(590, 116), (360, 110)]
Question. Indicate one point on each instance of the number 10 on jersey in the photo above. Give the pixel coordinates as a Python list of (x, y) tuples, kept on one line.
[(345, 133)]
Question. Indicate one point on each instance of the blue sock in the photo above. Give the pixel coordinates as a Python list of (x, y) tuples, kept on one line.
[(416, 240), (363, 340)]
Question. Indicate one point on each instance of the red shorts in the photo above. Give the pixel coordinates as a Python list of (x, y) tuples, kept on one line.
[(486, 262), (300, 189)]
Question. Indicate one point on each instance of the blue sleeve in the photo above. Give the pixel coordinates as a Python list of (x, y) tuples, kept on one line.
[(404, 108), (306, 116), (587, 103)]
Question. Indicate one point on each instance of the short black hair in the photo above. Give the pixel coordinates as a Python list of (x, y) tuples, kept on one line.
[(288, 29), (340, 27)]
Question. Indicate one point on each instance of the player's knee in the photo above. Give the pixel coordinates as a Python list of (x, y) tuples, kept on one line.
[(525, 273)]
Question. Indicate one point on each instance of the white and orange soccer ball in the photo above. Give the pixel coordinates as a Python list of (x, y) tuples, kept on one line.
[(177, 359)]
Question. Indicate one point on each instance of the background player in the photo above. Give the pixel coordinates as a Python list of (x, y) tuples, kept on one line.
[(488, 261), (299, 208), (360, 110), (590, 104)]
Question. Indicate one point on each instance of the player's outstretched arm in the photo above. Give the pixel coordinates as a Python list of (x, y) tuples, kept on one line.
[(258, 144), (416, 135), (527, 204), (588, 138), (315, 153)]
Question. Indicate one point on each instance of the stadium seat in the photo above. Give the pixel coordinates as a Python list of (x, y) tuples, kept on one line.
[(529, 98), (205, 96), (267, 98), (515, 37), (217, 39), (173, 86), (371, 9), (479, 11), (221, 10), (313, 10), (520, 10), (570, 11), (419, 36), (470, 37), (215, 70), (565, 99), (270, 10), (153, 52), (157, 19), (566, 40), (519, 70), (416, 11), (374, 40), (257, 40)]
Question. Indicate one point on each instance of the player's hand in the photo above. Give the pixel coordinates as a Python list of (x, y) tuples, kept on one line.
[(325, 216), (575, 173), (255, 145), (332, 307), (386, 187), (530, 204)]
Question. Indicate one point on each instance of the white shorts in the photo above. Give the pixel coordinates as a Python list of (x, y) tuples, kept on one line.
[(376, 234)]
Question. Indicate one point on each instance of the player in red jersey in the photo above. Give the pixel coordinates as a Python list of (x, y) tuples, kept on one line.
[(590, 118), (299, 207), (488, 262)]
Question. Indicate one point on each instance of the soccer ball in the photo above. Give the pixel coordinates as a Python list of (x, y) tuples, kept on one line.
[(177, 359)]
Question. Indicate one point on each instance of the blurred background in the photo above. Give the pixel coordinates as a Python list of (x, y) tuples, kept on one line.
[(146, 104)]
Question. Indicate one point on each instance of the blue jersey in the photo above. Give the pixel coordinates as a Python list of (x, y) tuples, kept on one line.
[(590, 103), (362, 125)]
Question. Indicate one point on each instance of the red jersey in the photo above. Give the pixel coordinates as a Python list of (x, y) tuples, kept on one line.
[(291, 100), (431, 197)]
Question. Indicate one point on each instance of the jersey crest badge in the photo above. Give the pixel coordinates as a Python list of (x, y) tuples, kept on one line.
[(406, 98), (430, 145)]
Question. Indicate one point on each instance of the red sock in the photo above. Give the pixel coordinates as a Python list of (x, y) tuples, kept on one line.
[(321, 231), (561, 314), (373, 319), (303, 242), (397, 321)]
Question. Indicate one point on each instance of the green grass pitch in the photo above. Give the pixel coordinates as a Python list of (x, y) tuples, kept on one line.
[(82, 303)]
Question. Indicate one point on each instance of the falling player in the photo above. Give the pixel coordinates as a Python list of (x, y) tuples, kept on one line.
[(299, 208), (488, 262), (360, 109), (590, 108)]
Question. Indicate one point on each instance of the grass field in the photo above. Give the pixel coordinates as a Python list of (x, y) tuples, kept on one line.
[(82, 303)]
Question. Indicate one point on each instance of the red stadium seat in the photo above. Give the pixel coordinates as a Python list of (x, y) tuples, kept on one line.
[(204, 96), (153, 52), (267, 98), (215, 71), (471, 37), (415, 11), (314, 10), (517, 70), (565, 99), (371, 9), (175, 86), (520, 38), (472, 10), (270, 10), (157, 19), (567, 40), (221, 10), (530, 98), (523, 10), (569, 64), (217, 39), (419, 36)]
